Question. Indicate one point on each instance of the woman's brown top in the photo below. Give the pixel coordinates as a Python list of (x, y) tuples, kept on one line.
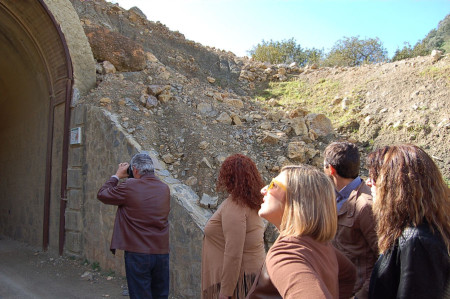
[(300, 267), (233, 251)]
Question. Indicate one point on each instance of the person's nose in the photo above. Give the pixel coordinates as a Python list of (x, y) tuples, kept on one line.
[(264, 190)]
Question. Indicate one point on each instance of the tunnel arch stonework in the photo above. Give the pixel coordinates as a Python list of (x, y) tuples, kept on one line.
[(43, 61), (49, 184)]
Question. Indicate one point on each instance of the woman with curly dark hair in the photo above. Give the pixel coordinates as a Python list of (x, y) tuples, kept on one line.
[(412, 208), (233, 246)]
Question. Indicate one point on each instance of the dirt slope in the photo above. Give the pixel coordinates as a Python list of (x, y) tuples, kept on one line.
[(402, 102)]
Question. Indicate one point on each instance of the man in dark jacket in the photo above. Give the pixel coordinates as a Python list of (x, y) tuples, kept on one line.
[(356, 237), (141, 226)]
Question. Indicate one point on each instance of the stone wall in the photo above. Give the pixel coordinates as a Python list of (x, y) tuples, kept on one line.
[(105, 146), (187, 221), (89, 223), (75, 191), (80, 52)]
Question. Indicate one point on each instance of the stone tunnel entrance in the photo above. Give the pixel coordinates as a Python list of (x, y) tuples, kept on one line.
[(35, 91), (46, 66)]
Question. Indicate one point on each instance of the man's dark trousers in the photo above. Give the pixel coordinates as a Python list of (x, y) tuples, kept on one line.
[(147, 275)]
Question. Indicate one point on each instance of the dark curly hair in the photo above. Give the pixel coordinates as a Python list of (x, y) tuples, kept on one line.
[(239, 177)]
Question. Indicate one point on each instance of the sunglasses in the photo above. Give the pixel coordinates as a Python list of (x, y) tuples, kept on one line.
[(275, 182)]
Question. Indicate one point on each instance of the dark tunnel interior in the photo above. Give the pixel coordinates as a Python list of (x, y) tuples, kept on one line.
[(32, 82)]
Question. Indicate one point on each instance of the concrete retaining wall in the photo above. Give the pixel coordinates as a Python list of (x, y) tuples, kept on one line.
[(89, 223)]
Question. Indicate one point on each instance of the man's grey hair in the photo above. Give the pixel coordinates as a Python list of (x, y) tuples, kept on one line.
[(143, 163)]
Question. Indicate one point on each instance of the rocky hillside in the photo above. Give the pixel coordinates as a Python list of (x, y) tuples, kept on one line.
[(376, 105), (196, 105)]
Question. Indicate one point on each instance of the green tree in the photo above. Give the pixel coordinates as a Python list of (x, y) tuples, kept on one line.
[(439, 38), (286, 51), (352, 51), (420, 49), (276, 52), (404, 53), (314, 56), (436, 39)]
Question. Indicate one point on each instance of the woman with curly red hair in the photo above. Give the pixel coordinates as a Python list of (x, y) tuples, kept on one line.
[(233, 246)]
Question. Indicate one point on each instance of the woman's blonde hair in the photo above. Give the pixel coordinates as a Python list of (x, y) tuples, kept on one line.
[(410, 191), (310, 208)]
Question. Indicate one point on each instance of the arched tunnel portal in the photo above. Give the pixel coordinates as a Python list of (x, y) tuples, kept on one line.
[(46, 66), (35, 92)]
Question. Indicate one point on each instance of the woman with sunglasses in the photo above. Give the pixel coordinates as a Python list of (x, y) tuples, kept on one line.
[(302, 263), (233, 246)]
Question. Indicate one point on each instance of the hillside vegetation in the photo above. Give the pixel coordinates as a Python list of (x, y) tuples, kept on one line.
[(351, 51), (436, 39)]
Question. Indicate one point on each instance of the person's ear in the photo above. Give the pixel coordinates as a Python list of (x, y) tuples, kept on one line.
[(332, 170)]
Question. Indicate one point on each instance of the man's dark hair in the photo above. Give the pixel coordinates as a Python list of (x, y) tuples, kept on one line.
[(344, 157)]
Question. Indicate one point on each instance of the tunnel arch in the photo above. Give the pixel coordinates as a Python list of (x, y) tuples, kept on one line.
[(36, 80)]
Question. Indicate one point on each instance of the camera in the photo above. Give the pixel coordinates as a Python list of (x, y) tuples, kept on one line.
[(130, 172)]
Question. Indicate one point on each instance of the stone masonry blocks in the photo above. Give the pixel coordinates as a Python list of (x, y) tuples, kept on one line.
[(75, 199), (76, 157), (74, 178), (77, 116), (73, 242), (77, 43), (73, 221)]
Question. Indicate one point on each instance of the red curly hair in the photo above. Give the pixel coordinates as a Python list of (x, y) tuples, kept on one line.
[(239, 177)]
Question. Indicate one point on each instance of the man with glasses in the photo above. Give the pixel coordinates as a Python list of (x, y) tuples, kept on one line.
[(356, 236)]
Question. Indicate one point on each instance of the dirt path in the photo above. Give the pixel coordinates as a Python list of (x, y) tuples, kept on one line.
[(27, 272)]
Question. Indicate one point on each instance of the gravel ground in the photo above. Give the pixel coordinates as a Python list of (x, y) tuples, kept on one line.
[(28, 272)]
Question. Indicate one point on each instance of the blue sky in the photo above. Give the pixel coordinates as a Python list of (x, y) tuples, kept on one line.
[(239, 25)]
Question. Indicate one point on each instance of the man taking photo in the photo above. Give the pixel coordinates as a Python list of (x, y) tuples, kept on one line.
[(141, 226)]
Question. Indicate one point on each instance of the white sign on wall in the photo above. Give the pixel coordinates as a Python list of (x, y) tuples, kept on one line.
[(75, 135)]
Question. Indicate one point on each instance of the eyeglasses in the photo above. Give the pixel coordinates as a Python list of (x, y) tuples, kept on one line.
[(276, 183)]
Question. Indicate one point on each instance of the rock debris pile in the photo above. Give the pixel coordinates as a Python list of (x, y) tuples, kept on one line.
[(195, 105)]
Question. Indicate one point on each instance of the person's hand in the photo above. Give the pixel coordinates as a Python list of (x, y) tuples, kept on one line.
[(122, 170), (223, 296)]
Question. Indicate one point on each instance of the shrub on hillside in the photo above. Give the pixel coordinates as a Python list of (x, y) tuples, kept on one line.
[(353, 51), (285, 52), (436, 39)]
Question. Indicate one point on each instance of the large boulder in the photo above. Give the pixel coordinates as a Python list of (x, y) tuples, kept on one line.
[(125, 54), (319, 124), (300, 151)]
